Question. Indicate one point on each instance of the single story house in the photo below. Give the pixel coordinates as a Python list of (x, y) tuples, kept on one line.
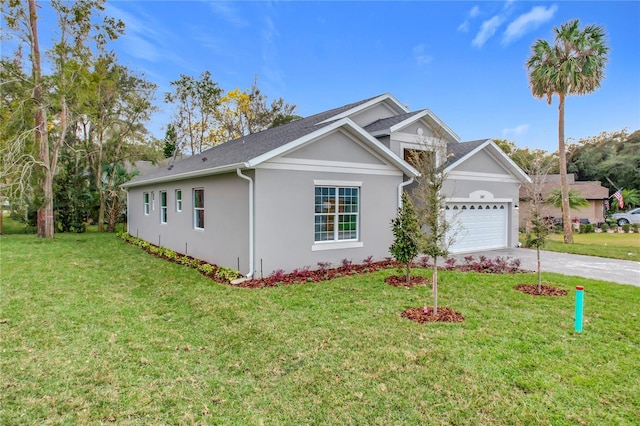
[(592, 191), (321, 189)]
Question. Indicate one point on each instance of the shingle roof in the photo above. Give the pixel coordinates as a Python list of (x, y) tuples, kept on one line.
[(457, 150), (387, 123), (242, 150)]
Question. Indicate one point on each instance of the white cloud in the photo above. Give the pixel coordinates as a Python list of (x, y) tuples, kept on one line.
[(529, 21), (421, 55), (225, 11), (464, 27), (487, 30), (515, 131)]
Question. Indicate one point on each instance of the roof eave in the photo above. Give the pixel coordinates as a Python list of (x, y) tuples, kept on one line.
[(186, 175)]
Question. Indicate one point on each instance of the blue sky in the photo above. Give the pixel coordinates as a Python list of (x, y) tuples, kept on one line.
[(462, 60)]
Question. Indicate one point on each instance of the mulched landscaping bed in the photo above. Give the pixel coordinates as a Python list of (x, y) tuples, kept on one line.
[(401, 281), (444, 315), (546, 290)]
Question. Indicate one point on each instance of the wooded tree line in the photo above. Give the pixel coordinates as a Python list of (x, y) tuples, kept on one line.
[(74, 119), (613, 158)]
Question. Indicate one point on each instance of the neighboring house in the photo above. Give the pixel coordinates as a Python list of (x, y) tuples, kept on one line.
[(592, 191), (320, 189)]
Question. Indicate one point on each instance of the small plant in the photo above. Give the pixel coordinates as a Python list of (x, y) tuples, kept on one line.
[(424, 261), (323, 267), (346, 263), (604, 227), (368, 261), (450, 263), (407, 235), (586, 228), (277, 275), (206, 268), (635, 227), (227, 274), (626, 228)]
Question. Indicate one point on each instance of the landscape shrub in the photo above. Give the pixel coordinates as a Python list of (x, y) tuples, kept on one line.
[(604, 227), (626, 227), (586, 228)]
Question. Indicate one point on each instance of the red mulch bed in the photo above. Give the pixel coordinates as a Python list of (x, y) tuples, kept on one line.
[(401, 281), (546, 290), (444, 315)]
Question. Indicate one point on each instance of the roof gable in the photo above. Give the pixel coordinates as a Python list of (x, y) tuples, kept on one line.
[(387, 126), (387, 99), (458, 153)]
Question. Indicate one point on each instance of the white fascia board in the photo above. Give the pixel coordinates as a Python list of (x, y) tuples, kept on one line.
[(186, 175), (420, 115), (345, 123), (355, 110), (503, 158)]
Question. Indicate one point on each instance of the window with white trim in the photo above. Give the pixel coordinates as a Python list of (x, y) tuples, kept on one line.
[(178, 200), (163, 206), (337, 211), (198, 208), (145, 202)]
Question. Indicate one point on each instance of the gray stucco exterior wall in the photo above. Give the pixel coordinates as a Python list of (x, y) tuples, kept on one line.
[(224, 238), (284, 202)]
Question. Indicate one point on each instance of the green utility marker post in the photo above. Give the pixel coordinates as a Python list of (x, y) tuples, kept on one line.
[(579, 307)]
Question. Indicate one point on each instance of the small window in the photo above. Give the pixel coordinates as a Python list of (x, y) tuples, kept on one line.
[(198, 208), (145, 201), (178, 200), (163, 206)]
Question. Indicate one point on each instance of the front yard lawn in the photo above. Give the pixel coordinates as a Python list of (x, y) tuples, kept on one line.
[(94, 330), (615, 246)]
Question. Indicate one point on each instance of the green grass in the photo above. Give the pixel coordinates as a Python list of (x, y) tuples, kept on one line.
[(95, 330), (615, 246)]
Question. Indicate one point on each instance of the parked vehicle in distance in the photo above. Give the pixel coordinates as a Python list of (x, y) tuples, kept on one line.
[(631, 216)]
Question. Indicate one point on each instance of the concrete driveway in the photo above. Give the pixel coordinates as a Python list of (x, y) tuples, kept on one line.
[(599, 268)]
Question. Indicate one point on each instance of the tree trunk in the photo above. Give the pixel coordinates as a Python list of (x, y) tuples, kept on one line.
[(539, 270), (434, 286), (45, 211), (564, 185), (408, 274)]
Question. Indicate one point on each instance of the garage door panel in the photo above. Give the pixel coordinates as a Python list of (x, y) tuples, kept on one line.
[(477, 226)]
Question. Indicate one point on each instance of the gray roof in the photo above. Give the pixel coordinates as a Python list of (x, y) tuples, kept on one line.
[(242, 150), (388, 123), (457, 150)]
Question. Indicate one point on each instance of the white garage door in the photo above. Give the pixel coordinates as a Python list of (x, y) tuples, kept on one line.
[(478, 226)]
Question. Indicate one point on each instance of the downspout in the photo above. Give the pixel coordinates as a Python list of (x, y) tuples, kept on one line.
[(128, 212), (401, 189), (251, 243)]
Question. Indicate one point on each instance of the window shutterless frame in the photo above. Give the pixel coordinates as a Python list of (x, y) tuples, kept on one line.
[(337, 214), (163, 206), (178, 200), (145, 203), (198, 208)]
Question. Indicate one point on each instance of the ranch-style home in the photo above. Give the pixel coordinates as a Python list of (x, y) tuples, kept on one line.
[(321, 189)]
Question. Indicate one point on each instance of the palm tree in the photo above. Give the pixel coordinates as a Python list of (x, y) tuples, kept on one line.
[(573, 65), (576, 199), (631, 198)]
